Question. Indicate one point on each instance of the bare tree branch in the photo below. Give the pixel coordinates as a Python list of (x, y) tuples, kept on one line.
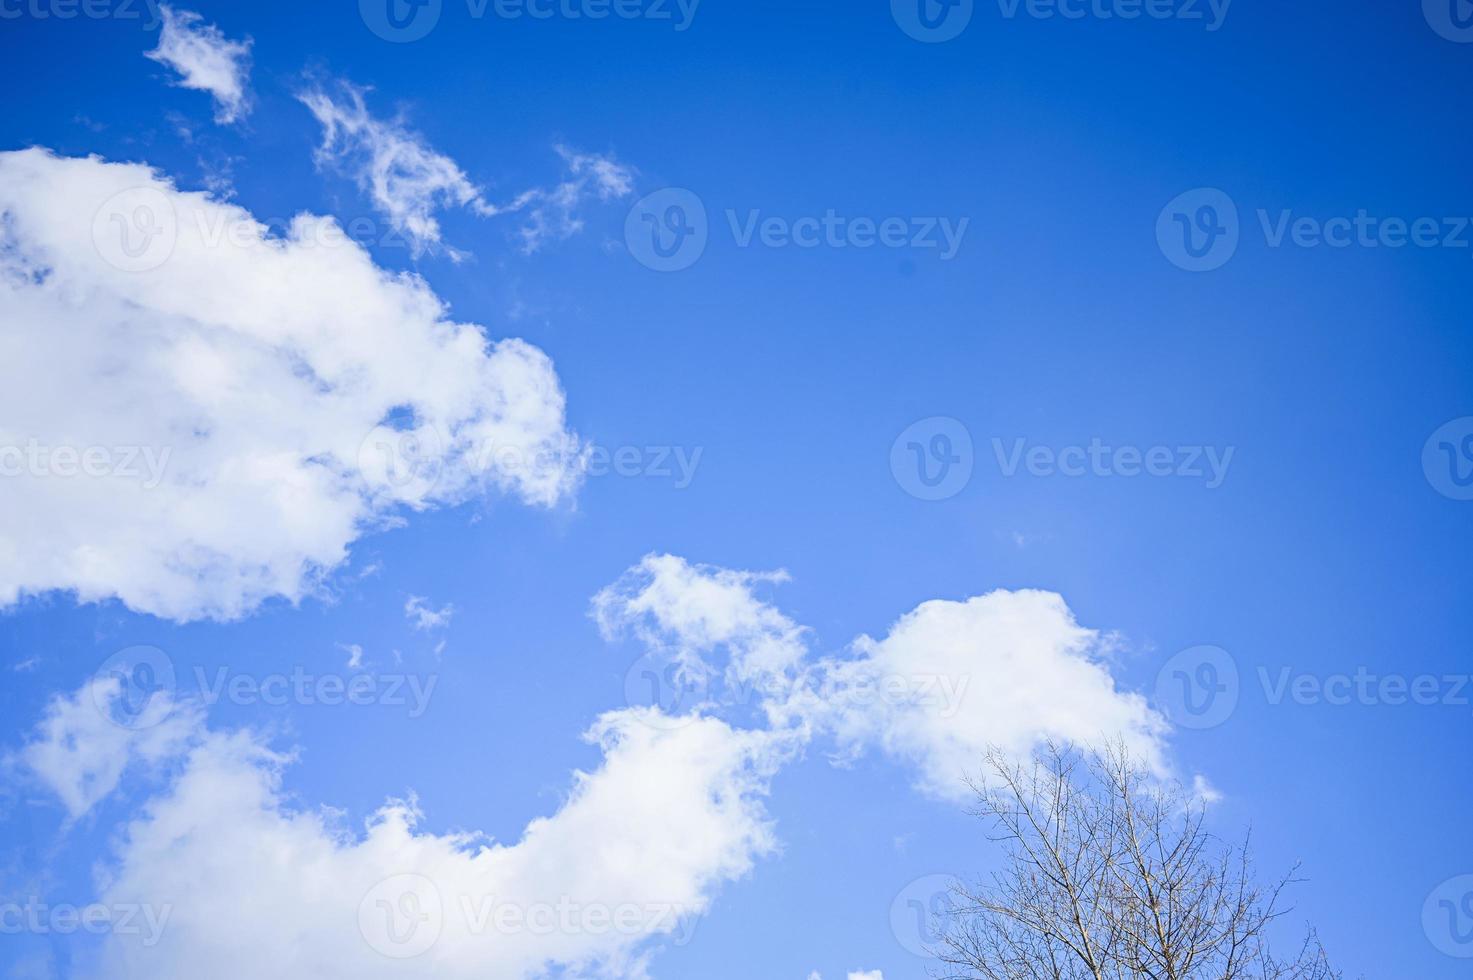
[(1111, 875)]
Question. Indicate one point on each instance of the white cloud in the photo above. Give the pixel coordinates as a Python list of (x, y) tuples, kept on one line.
[(355, 654), (80, 750), (206, 60), (691, 613), (227, 391), (951, 679), (1203, 790), (408, 181), (423, 617), (253, 885), (246, 885), (552, 213), (404, 177)]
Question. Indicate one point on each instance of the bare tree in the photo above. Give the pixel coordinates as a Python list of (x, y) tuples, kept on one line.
[(1110, 874)]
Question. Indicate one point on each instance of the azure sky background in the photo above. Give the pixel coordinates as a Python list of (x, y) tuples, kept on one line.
[(1035, 309)]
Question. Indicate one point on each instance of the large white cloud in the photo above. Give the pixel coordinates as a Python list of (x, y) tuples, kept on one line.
[(242, 884), (206, 61), (191, 407)]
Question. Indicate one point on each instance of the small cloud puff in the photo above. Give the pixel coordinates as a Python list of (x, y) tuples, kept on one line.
[(422, 617), (207, 61)]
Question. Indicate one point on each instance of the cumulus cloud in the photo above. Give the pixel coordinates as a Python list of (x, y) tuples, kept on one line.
[(252, 884), (206, 60), (950, 680), (247, 885), (197, 415), (1006, 669)]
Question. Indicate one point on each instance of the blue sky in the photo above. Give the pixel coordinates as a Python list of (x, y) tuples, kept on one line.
[(1331, 539)]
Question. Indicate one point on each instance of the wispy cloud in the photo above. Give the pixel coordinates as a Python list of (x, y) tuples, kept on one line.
[(355, 654), (552, 213), (206, 61), (422, 617), (80, 752), (407, 180)]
